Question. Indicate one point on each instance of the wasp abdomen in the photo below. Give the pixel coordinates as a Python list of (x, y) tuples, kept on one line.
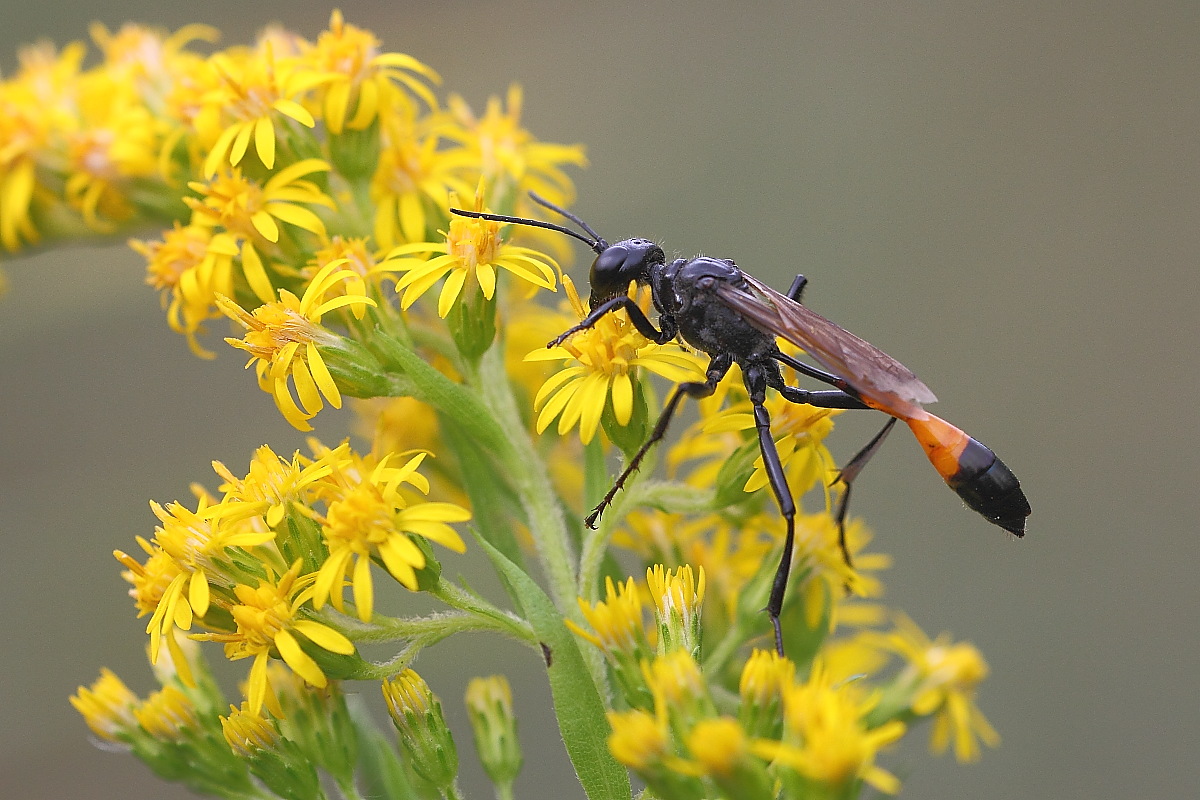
[(973, 471), (986, 484)]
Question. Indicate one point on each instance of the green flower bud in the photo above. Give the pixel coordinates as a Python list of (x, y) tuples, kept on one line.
[(489, 707), (417, 715), (274, 760), (355, 370)]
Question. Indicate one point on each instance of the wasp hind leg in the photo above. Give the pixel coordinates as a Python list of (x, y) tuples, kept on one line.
[(846, 477)]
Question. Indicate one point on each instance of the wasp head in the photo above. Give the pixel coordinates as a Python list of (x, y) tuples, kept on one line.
[(620, 263)]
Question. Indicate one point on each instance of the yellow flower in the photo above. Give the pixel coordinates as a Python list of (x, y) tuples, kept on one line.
[(826, 737), (508, 152), (269, 618), (638, 740), (196, 544), (823, 572), (368, 516), (35, 106), (118, 140), (107, 706), (245, 209), (799, 431), (351, 254), (718, 745), (361, 79), (945, 677), (271, 485), (167, 714), (248, 733), (256, 90), (605, 358), (282, 339), (708, 449), (473, 247), (189, 273), (415, 171), (679, 690), (616, 620), (417, 714), (764, 677)]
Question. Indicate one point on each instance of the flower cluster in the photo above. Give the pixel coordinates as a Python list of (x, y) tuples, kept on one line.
[(818, 736), (304, 192)]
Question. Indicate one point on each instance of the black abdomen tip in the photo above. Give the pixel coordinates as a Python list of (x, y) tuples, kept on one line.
[(988, 486)]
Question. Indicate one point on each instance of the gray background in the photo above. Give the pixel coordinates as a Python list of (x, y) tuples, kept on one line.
[(1004, 196)]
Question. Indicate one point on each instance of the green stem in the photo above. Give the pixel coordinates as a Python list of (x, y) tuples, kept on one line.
[(501, 621), (427, 629), (531, 480)]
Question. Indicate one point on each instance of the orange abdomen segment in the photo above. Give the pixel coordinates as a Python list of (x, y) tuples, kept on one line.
[(974, 472), (944, 444)]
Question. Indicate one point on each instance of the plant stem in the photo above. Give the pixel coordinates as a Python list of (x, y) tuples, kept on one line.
[(532, 483)]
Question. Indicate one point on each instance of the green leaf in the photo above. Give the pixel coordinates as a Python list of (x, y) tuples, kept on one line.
[(577, 704), (452, 399)]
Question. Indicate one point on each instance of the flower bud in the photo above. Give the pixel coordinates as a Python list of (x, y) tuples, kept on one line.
[(274, 760), (721, 750), (417, 715), (763, 681), (107, 706), (678, 599), (642, 742), (489, 707)]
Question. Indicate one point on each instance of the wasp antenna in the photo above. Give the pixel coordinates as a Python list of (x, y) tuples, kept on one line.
[(597, 244), (541, 201)]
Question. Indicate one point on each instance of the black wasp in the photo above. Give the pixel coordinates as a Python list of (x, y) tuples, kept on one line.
[(734, 318)]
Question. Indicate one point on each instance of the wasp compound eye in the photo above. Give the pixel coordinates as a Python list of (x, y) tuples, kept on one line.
[(620, 263)]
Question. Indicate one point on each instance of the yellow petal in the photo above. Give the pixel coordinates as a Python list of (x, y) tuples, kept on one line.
[(364, 591), (265, 224), (486, 275), (552, 383), (450, 291), (300, 662), (306, 388), (331, 572), (439, 512), (291, 173), (219, 151), (622, 397), (593, 398), (337, 99), (324, 637), (412, 217), (321, 376), (256, 273), (368, 105), (240, 143), (557, 403), (198, 596), (438, 532), (297, 215), (287, 406), (256, 684), (264, 141), (294, 110)]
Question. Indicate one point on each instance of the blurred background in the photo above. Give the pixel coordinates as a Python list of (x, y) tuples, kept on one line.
[(1005, 197)]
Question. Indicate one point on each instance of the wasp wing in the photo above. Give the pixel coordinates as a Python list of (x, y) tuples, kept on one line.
[(875, 374)]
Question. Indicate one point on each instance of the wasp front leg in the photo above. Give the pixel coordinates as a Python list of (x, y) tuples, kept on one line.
[(638, 317)]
